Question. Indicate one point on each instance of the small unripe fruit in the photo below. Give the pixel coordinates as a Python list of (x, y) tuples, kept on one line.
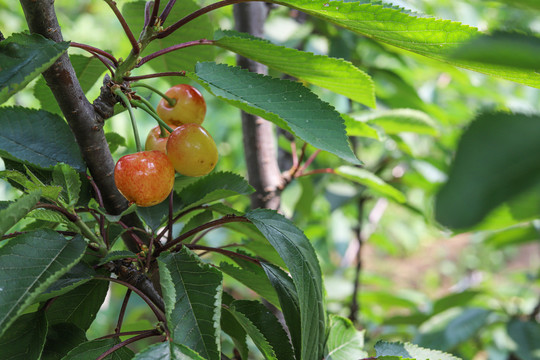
[(145, 178), (192, 150), (190, 107), (154, 141)]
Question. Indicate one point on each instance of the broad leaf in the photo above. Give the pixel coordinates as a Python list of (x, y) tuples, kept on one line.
[(117, 255), (30, 182), (513, 236), (17, 210), (213, 187), (356, 127), (38, 137), (398, 121), (344, 341), (525, 335), (78, 275), (80, 305), (301, 260), (337, 75), (168, 351), (68, 179), (179, 60), (458, 299), (192, 296), (88, 70), (288, 299), (263, 328), (93, 349), (465, 326), (493, 163), (22, 58), (231, 327), (25, 338), (286, 103), (29, 264), (431, 37), (410, 351), (61, 338), (371, 181)]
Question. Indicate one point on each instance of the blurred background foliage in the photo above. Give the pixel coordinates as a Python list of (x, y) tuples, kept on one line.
[(468, 293)]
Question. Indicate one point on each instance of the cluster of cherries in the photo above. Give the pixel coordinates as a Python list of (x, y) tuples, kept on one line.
[(146, 178)]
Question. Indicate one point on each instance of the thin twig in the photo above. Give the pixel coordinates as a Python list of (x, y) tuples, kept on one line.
[(95, 50), (318, 171), (171, 216), (166, 11), (144, 335), (154, 13), (183, 213), (132, 234), (155, 75), (224, 252), (122, 312), (127, 30), (174, 48), (308, 161), (169, 30), (126, 333)]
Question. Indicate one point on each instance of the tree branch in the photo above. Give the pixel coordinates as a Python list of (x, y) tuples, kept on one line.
[(259, 137)]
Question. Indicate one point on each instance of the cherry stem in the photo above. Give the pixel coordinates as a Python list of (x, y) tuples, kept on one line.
[(295, 168), (169, 30), (122, 312), (155, 75), (224, 252), (125, 333), (147, 13), (154, 13), (126, 102), (95, 50), (127, 30), (170, 100), (141, 336), (141, 105), (132, 233), (173, 48), (309, 161), (171, 215), (166, 11), (183, 213), (219, 222), (318, 171)]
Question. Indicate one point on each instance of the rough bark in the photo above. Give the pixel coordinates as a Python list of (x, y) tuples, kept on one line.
[(259, 136), (85, 119)]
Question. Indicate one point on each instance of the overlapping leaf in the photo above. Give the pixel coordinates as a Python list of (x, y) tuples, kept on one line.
[(344, 342), (22, 58), (371, 181), (337, 75), (410, 351), (192, 295), (17, 210), (286, 103), (168, 351), (397, 121), (93, 349), (25, 338), (29, 264), (38, 137)]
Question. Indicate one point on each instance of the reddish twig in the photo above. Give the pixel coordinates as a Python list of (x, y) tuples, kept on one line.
[(224, 252), (127, 30), (174, 48), (126, 333), (166, 11), (122, 312), (318, 171), (152, 20), (132, 234), (155, 75), (183, 213), (141, 336), (95, 50), (308, 161)]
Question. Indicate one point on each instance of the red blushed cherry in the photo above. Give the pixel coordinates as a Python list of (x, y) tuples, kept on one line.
[(190, 107), (192, 150), (145, 178), (154, 141)]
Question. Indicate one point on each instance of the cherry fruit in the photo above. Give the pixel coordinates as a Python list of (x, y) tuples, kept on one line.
[(154, 141), (145, 178), (192, 150), (190, 106)]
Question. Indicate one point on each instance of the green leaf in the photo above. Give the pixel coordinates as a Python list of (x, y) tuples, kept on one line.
[(39, 138), (48, 215), (213, 187), (288, 104), (288, 299), (68, 179), (22, 58), (29, 264), (372, 182), (192, 296), (493, 163), (17, 210), (253, 277), (398, 121), (184, 59), (458, 299), (25, 339), (80, 305), (525, 335), (356, 127), (513, 236), (502, 48), (337, 75), (93, 349), (434, 38), (168, 351), (30, 182), (88, 70), (77, 275), (259, 321), (61, 338), (115, 141), (117, 255), (410, 351), (231, 327), (344, 341), (465, 326), (301, 260)]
